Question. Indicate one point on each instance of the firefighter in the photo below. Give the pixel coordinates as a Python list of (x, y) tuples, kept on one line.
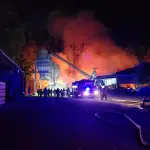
[(38, 91), (103, 93)]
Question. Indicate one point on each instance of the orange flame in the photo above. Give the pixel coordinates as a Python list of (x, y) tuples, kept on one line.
[(99, 51)]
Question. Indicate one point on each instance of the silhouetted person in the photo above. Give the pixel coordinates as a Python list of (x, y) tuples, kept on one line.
[(45, 92), (103, 93), (62, 93), (38, 91), (54, 92), (51, 92), (57, 92), (48, 92), (41, 92), (68, 92)]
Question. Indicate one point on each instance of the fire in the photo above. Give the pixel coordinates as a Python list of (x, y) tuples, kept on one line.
[(65, 75), (99, 50)]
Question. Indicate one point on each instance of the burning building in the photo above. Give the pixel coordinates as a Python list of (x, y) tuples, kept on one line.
[(99, 50)]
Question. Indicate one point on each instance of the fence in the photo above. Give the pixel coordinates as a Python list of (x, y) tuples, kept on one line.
[(2, 92)]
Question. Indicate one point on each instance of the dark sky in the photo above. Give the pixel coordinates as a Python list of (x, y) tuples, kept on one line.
[(128, 21)]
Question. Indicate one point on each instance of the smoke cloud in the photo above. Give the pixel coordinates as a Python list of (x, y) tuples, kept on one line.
[(99, 50)]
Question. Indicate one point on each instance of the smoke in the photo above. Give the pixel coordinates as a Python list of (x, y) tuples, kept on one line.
[(99, 50)]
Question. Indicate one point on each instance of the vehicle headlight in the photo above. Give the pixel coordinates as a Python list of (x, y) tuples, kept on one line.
[(95, 92), (86, 93)]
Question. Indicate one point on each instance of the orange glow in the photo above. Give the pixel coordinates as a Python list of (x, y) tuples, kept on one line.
[(65, 72), (132, 86), (29, 55), (44, 83), (99, 51)]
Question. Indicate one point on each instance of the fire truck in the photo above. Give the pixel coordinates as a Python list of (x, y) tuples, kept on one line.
[(85, 88)]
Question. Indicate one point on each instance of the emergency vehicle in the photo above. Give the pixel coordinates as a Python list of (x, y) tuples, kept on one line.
[(85, 88)]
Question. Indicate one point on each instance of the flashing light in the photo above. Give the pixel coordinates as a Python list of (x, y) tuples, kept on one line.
[(86, 93), (74, 86), (87, 89), (103, 86), (96, 92)]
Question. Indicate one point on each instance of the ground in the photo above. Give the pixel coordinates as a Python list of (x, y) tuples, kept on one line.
[(70, 124)]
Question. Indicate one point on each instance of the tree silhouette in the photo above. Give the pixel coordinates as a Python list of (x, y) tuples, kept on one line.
[(12, 30), (27, 58), (141, 52)]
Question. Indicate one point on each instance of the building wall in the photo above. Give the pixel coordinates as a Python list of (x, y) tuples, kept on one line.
[(14, 80), (11, 74)]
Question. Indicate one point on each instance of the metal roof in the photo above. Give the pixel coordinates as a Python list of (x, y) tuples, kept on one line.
[(106, 76), (2, 54)]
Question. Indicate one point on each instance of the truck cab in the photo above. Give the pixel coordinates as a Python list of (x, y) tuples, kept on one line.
[(85, 88)]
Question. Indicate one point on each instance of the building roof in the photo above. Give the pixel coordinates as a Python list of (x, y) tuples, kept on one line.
[(142, 67), (9, 61), (106, 76), (127, 71)]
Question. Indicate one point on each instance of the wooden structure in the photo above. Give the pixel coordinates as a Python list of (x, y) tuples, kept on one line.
[(2, 92)]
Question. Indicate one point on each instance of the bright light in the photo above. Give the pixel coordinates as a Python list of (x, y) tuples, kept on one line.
[(103, 86), (74, 86), (95, 92), (86, 93), (87, 89)]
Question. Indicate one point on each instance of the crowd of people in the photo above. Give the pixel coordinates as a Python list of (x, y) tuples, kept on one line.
[(46, 92)]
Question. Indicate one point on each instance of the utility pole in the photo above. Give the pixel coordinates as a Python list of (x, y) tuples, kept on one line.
[(76, 52), (94, 74), (34, 78)]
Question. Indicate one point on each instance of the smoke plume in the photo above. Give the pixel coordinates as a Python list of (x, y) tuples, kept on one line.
[(99, 50)]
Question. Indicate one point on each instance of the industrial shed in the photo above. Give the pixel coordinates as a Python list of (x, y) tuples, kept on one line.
[(139, 74), (12, 76)]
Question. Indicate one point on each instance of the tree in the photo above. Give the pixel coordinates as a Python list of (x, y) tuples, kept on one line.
[(12, 30), (141, 52), (147, 57), (27, 58)]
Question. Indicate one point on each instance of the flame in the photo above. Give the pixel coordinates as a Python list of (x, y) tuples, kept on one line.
[(65, 73), (99, 50)]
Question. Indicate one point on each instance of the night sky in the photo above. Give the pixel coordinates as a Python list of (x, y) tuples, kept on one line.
[(128, 22)]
